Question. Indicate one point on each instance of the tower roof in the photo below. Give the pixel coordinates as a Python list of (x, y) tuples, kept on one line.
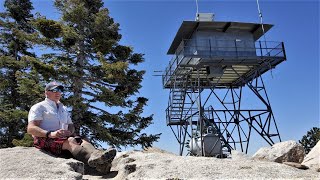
[(188, 27)]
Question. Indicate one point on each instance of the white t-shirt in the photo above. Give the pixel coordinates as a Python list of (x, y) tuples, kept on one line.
[(49, 114)]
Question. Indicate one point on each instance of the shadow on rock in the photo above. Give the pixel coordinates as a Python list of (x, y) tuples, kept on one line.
[(93, 172)]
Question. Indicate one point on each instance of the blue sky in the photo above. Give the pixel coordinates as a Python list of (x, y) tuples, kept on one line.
[(150, 26)]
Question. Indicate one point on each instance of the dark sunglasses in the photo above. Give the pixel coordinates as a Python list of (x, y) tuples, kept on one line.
[(56, 90)]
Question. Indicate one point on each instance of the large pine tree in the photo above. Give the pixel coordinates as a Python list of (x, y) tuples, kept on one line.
[(102, 84), (19, 86)]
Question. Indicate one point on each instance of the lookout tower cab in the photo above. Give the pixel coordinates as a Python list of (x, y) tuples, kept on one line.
[(215, 47), (208, 56)]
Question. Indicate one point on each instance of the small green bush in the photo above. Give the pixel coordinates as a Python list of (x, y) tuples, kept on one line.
[(26, 141), (309, 140)]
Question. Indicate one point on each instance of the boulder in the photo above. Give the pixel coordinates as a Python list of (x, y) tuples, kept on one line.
[(288, 151), (157, 164), (32, 163), (312, 160)]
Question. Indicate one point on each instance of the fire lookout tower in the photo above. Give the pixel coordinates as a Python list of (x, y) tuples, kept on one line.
[(214, 65)]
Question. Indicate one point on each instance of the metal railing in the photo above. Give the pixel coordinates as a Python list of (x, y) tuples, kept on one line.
[(238, 49)]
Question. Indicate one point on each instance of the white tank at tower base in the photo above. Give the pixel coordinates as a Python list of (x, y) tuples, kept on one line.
[(211, 143)]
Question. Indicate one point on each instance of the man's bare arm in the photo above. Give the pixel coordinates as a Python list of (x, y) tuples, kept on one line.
[(34, 129)]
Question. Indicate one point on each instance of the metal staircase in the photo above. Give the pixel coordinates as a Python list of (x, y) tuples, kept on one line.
[(176, 100)]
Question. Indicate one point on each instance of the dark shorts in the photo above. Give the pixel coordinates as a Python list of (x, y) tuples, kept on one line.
[(53, 145)]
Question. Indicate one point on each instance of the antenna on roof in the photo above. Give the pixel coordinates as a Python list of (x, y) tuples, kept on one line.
[(203, 16), (261, 20), (197, 8), (263, 32)]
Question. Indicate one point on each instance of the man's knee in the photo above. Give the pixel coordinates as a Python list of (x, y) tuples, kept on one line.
[(69, 143), (72, 140)]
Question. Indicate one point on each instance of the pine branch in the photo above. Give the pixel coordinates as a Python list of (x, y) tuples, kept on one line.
[(99, 109)]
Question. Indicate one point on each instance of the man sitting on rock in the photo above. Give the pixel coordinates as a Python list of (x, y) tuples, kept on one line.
[(51, 127)]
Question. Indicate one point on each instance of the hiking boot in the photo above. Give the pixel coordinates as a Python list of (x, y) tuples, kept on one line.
[(100, 157)]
